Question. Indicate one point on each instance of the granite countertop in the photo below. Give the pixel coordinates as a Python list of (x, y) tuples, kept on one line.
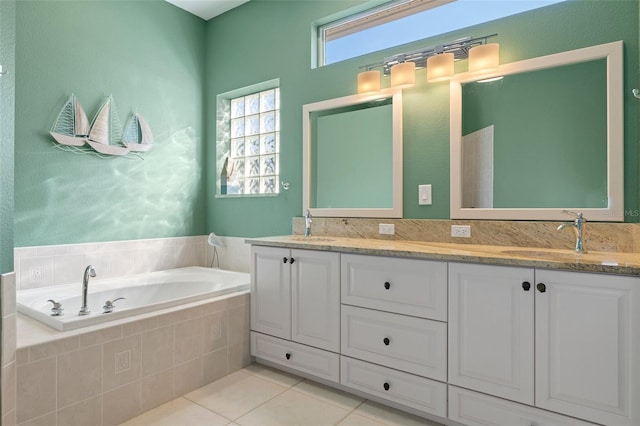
[(605, 262)]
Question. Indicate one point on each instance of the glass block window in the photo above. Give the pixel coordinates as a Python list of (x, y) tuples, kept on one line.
[(249, 143)]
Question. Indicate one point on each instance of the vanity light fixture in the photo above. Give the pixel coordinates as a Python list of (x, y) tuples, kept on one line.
[(403, 74), (438, 60), (485, 57), (440, 67), (369, 81)]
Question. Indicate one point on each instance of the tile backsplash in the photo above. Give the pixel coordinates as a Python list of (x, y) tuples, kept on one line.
[(46, 266)]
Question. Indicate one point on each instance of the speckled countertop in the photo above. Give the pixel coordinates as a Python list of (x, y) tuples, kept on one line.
[(604, 262)]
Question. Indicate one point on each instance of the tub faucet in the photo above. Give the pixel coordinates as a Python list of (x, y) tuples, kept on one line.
[(307, 224), (578, 227), (88, 272)]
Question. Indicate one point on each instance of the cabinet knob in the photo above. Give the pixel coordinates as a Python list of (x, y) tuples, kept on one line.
[(387, 285), (541, 287), (526, 285), (292, 260), (287, 355), (386, 341), (285, 260), (386, 386)]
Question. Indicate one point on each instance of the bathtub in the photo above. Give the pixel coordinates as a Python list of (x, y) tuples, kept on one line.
[(143, 293)]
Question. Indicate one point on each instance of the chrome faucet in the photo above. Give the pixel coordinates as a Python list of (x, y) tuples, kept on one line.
[(89, 272), (307, 224), (578, 227)]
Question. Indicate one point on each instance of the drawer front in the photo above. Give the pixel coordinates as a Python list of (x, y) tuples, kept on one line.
[(405, 286), (410, 344), (477, 409), (412, 391), (317, 362)]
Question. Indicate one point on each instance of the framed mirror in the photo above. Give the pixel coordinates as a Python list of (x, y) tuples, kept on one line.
[(352, 156), (540, 136)]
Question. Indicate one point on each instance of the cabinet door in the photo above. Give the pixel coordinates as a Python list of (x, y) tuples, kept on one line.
[(491, 330), (271, 291), (315, 297), (587, 346)]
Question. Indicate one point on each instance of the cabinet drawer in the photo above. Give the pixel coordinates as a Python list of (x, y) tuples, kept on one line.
[(412, 391), (317, 362), (405, 286), (477, 409), (411, 344)]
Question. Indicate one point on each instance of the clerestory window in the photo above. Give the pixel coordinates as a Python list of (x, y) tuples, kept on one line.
[(399, 22)]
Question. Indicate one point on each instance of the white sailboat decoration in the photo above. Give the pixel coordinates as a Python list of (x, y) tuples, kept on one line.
[(105, 130), (137, 134), (72, 125)]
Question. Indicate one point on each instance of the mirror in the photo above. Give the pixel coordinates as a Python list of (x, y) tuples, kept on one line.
[(337, 135), (546, 137)]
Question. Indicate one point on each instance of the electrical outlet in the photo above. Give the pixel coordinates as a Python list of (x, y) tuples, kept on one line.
[(386, 228), (36, 274), (463, 231)]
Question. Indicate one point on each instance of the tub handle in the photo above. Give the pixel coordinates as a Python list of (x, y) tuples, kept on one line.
[(57, 310), (109, 305)]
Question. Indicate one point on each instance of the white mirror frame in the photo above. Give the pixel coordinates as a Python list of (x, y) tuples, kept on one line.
[(614, 212), (396, 210)]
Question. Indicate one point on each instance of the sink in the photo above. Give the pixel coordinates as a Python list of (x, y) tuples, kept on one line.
[(546, 254)]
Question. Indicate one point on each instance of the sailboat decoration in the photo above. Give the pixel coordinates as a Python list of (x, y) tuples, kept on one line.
[(105, 134), (137, 134), (72, 125)]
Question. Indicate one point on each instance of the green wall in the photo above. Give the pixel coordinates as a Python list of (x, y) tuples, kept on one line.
[(150, 56), (266, 39), (7, 97)]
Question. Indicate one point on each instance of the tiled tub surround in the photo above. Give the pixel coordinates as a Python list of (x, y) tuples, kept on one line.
[(104, 375), (607, 237)]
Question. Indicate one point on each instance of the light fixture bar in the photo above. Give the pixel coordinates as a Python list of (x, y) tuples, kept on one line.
[(459, 48)]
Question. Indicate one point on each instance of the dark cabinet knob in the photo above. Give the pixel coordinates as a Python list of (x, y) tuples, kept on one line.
[(285, 260), (292, 260), (387, 285), (386, 386), (526, 285), (386, 341), (287, 355), (541, 287)]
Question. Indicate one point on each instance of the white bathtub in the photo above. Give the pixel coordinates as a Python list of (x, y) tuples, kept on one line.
[(144, 293)]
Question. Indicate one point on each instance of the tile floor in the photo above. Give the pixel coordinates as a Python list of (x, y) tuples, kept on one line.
[(261, 396)]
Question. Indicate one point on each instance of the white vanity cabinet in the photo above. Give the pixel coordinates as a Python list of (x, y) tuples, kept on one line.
[(582, 328), (295, 309), (394, 330)]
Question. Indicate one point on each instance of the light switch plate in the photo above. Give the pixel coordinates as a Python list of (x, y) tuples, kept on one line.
[(424, 195)]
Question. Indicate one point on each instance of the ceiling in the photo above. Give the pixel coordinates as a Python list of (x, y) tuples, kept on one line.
[(207, 9)]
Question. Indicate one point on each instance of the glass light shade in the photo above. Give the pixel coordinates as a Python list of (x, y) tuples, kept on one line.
[(485, 57), (439, 67), (369, 81), (403, 74)]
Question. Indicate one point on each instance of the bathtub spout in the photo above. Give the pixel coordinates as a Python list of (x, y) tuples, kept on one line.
[(88, 272)]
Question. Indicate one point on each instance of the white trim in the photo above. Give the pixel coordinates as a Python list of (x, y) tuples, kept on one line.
[(396, 210), (614, 212)]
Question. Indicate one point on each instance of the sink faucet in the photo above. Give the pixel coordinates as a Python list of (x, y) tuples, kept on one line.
[(307, 224), (89, 272), (578, 227)]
